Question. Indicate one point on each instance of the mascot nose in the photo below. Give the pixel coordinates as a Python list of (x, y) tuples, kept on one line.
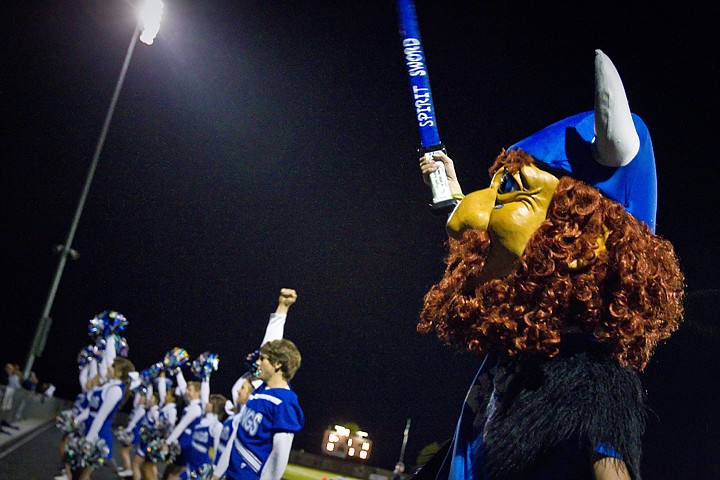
[(473, 212)]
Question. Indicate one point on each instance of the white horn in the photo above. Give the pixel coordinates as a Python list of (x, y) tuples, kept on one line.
[(616, 140)]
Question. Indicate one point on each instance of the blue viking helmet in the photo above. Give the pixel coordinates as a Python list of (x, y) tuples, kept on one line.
[(608, 148)]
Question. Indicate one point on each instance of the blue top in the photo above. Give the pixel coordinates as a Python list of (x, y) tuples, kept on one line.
[(203, 441), (149, 423), (267, 411), (96, 402), (80, 404)]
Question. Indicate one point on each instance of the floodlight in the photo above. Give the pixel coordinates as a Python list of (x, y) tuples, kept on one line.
[(150, 15)]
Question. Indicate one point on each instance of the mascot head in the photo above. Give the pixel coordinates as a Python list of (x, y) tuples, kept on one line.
[(562, 243)]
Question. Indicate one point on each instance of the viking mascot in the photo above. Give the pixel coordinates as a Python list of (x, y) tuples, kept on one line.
[(556, 278)]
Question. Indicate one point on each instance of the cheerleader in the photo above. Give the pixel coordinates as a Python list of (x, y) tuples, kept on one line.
[(182, 433), (206, 436), (274, 330), (90, 379), (224, 448), (73, 419), (103, 403), (245, 386), (168, 407), (74, 423), (144, 466), (265, 428), (205, 433), (132, 429)]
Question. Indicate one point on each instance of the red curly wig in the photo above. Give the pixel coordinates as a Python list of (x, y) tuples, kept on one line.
[(628, 297)]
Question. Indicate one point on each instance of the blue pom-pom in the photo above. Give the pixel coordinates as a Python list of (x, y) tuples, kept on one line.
[(121, 346), (203, 472), (107, 323), (87, 354), (81, 453), (251, 362), (149, 374), (203, 366), (174, 359)]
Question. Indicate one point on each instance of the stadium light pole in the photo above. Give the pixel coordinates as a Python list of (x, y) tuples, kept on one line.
[(406, 432), (146, 27)]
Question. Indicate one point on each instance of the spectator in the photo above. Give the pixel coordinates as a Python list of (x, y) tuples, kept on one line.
[(31, 383), (13, 383), (399, 471), (13, 375), (48, 389)]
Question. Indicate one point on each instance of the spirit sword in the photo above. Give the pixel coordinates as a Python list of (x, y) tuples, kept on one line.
[(422, 99)]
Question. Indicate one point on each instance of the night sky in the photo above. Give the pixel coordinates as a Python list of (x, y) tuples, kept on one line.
[(268, 144)]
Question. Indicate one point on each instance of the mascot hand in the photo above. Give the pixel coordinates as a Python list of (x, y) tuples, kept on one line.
[(429, 165)]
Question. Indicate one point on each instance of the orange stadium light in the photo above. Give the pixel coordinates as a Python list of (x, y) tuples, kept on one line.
[(341, 442)]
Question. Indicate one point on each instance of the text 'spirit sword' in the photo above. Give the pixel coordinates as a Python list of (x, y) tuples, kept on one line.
[(423, 103)]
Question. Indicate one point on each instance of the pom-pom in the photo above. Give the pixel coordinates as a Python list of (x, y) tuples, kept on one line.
[(151, 373), (141, 389), (251, 362), (204, 365), (81, 453), (203, 472), (107, 323), (147, 434), (87, 354), (124, 437), (174, 359), (155, 447), (121, 346), (153, 440), (115, 322), (101, 344), (66, 423), (96, 328), (173, 451)]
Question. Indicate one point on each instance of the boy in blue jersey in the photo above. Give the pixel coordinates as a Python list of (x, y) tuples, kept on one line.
[(271, 417), (246, 384)]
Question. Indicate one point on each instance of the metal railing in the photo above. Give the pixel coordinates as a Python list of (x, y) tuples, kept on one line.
[(19, 404)]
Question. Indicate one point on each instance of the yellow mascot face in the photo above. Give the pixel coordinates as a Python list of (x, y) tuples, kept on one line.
[(510, 210)]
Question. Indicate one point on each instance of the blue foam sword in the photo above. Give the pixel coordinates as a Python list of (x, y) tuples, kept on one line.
[(423, 103)]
